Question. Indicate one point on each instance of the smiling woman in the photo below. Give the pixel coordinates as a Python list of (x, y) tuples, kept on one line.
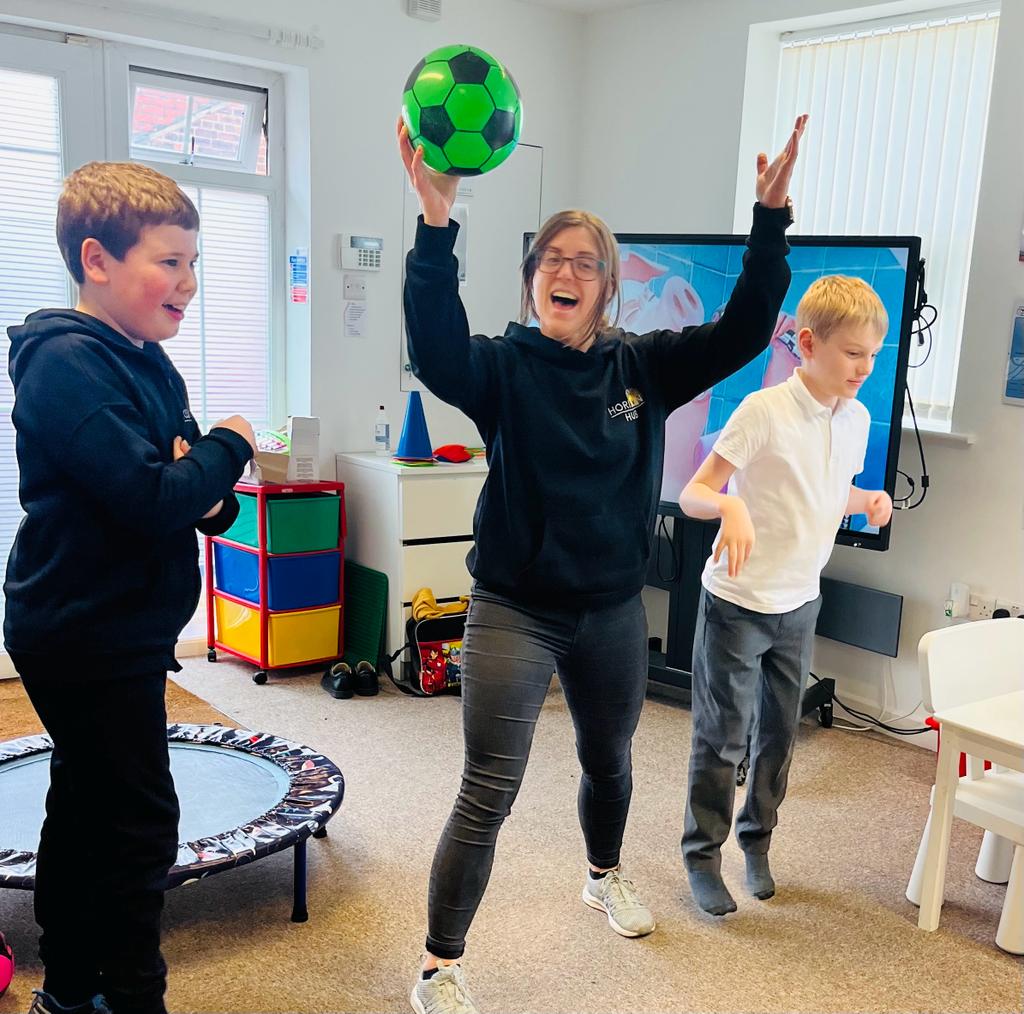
[(572, 412)]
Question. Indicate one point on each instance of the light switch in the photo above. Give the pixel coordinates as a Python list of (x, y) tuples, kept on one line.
[(355, 286)]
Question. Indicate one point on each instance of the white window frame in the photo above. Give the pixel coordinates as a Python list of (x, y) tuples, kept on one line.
[(120, 59), (77, 65), (761, 87), (253, 97)]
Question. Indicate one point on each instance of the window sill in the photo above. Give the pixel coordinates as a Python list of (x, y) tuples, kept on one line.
[(949, 439)]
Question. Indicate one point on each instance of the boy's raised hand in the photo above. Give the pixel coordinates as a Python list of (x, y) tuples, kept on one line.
[(772, 186), (878, 508), (736, 536), (436, 191)]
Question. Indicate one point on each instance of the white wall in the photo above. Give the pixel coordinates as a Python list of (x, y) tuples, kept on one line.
[(660, 153), (355, 85)]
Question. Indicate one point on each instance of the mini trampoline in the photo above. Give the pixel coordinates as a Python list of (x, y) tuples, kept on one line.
[(243, 795)]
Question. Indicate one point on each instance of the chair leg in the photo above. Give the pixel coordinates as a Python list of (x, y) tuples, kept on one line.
[(994, 858), (1010, 935), (917, 874), (937, 853)]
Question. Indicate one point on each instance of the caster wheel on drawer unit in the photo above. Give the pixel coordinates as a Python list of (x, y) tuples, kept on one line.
[(259, 678), (211, 655)]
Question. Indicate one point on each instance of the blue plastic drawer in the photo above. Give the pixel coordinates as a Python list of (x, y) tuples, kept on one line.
[(296, 582), (236, 572)]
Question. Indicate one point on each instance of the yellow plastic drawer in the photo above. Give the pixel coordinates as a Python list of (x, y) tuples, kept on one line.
[(302, 637), (292, 638), (238, 627)]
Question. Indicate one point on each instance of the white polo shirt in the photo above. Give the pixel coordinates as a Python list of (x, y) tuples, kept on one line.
[(795, 460)]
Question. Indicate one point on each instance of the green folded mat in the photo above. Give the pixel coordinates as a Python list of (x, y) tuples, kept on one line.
[(366, 610)]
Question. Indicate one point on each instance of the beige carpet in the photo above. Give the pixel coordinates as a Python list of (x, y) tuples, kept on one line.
[(839, 935), (18, 718)]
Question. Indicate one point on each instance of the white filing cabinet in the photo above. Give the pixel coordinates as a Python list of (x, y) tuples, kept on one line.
[(413, 524)]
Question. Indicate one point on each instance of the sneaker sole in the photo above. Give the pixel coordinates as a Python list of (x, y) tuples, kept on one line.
[(415, 1001), (596, 903)]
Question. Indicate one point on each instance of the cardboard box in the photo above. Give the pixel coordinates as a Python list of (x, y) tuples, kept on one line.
[(290, 456)]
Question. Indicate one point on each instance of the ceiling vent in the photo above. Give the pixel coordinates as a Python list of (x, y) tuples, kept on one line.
[(425, 10)]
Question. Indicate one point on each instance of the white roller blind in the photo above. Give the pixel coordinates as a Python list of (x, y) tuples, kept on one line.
[(899, 111), (32, 274), (223, 347)]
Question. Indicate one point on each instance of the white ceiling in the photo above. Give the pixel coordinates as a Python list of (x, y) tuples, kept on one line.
[(588, 6)]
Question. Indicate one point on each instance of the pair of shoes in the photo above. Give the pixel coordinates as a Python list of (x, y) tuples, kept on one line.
[(617, 897), (43, 1003), (444, 992), (341, 683)]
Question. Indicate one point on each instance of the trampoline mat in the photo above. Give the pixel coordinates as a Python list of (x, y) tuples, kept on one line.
[(243, 795)]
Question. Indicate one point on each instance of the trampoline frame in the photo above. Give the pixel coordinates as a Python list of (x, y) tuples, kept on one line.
[(316, 789)]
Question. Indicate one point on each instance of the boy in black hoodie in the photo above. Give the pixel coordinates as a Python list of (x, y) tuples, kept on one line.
[(115, 478)]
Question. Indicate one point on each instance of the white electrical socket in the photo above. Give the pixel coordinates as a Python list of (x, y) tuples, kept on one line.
[(1013, 608), (981, 608)]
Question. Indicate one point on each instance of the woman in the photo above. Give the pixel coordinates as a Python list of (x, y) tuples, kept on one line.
[(572, 413)]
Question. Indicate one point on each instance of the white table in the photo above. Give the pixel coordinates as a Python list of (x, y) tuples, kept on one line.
[(992, 729)]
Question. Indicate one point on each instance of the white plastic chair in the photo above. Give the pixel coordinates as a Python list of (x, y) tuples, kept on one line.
[(965, 665)]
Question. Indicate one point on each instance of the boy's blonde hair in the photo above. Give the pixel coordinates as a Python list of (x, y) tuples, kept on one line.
[(113, 202), (607, 251), (836, 301)]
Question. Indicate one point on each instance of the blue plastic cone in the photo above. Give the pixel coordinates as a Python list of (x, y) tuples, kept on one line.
[(414, 443)]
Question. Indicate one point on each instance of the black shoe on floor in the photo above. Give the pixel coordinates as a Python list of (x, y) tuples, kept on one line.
[(366, 681), (338, 681)]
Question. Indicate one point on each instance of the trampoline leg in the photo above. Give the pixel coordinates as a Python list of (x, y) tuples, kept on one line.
[(299, 912)]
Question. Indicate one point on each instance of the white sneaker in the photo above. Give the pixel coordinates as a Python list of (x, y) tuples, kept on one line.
[(444, 992), (617, 897)]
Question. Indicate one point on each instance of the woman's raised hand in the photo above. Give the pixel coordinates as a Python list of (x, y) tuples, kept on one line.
[(436, 191), (773, 179)]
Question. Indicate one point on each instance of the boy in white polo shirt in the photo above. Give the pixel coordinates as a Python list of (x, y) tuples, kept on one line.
[(789, 454)]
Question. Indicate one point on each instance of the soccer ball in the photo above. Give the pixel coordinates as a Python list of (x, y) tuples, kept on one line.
[(463, 107)]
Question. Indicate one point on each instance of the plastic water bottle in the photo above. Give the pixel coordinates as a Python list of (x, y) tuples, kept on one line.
[(382, 432)]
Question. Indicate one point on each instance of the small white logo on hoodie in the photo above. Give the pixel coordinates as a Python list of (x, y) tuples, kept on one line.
[(628, 408), (186, 415)]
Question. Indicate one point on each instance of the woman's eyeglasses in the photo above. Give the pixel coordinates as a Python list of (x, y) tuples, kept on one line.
[(584, 267)]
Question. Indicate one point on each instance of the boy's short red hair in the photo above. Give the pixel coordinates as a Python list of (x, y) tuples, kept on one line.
[(113, 202)]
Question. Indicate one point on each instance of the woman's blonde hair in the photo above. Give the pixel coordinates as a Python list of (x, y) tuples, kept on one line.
[(836, 301), (113, 202), (607, 251)]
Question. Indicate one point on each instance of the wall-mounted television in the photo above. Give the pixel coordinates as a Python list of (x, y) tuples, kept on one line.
[(672, 281)]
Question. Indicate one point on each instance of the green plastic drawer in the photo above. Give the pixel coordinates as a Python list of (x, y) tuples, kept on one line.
[(295, 524)]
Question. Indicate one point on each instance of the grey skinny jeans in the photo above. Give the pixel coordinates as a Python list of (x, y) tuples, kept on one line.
[(509, 652)]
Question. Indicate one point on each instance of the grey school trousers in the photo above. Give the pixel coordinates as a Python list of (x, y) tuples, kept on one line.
[(749, 671)]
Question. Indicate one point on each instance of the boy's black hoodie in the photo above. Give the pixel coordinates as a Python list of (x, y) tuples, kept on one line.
[(104, 570), (575, 440)]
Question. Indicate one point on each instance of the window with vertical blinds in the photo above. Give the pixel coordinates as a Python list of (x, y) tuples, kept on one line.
[(32, 274), (224, 348), (899, 111)]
